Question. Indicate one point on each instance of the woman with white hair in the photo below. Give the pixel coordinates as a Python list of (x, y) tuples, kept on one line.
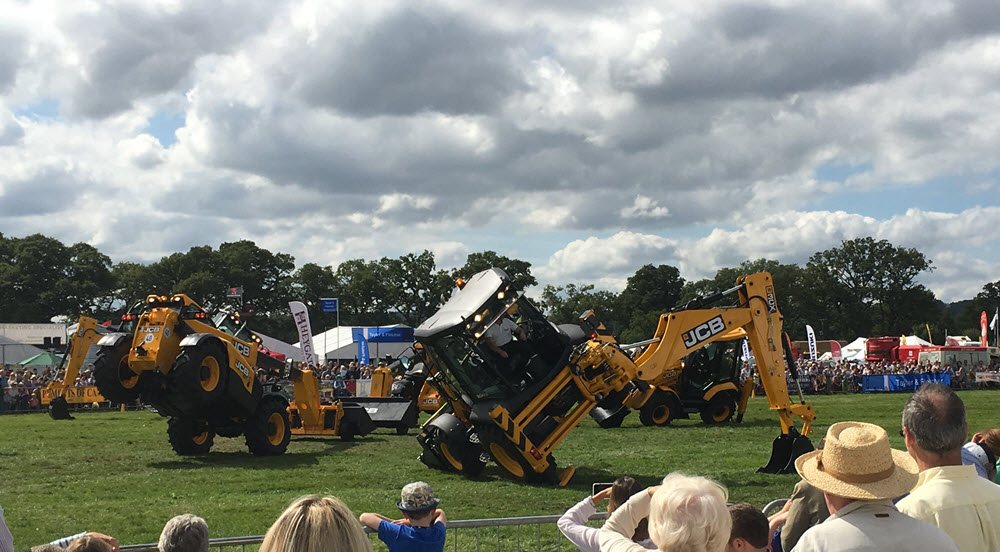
[(686, 514)]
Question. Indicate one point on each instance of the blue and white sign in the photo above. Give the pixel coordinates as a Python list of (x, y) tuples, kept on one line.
[(329, 304)]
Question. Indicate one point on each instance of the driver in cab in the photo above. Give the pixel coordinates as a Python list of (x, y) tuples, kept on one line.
[(500, 337)]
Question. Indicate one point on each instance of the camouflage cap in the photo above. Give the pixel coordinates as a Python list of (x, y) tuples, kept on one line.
[(417, 497)]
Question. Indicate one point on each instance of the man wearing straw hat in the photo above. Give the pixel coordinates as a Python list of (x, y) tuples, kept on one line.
[(860, 474), (948, 494)]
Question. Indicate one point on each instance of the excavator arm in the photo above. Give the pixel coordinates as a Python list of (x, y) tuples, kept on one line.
[(690, 328)]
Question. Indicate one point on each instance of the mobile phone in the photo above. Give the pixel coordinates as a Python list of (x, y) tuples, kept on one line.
[(598, 487)]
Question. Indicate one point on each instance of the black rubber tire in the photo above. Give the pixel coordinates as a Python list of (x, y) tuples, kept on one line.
[(112, 376), (660, 409), (188, 437), (268, 431), (199, 374), (513, 463), (720, 408)]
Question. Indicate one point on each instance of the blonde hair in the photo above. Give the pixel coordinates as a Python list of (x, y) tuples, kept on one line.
[(316, 524), (689, 514)]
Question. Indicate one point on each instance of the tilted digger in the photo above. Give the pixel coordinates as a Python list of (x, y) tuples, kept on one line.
[(201, 372), (516, 410)]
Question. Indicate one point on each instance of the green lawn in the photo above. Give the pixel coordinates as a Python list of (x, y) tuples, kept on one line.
[(114, 472)]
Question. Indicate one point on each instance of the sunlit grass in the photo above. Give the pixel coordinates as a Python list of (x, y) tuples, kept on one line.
[(114, 472)]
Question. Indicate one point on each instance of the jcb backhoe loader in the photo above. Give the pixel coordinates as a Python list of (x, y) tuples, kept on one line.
[(198, 373), (517, 409), (57, 395)]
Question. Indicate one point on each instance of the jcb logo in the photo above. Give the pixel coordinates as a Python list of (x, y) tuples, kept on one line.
[(149, 329), (772, 305), (704, 331), (241, 348), (243, 369)]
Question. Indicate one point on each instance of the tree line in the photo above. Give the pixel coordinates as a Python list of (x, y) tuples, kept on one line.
[(864, 287)]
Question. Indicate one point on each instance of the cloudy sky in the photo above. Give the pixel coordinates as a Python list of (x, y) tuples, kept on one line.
[(586, 137)]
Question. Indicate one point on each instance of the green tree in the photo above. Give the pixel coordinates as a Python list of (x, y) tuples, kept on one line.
[(870, 285), (414, 286), (565, 304)]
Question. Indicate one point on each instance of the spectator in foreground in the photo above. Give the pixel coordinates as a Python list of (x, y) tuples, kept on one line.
[(423, 526), (316, 524), (6, 539), (90, 543), (989, 441), (685, 513), (860, 474), (948, 494), (750, 529), (184, 533), (586, 538), (805, 508)]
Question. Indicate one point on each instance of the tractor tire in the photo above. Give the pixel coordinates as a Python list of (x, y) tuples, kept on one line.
[(449, 446), (268, 431), (661, 408), (199, 374), (115, 381), (720, 408), (189, 437), (508, 457)]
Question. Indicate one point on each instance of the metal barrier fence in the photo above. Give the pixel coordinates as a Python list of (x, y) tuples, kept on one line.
[(517, 533)]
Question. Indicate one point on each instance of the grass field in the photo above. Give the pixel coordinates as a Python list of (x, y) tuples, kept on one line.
[(114, 472)]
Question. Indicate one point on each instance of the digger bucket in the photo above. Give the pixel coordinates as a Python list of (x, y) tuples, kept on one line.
[(784, 451)]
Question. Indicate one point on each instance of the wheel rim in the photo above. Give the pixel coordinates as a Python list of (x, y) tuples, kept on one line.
[(126, 377), (275, 428), (661, 414), (200, 439), (446, 452), (209, 373), (505, 460), (721, 413)]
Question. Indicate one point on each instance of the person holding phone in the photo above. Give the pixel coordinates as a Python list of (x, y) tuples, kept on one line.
[(572, 524)]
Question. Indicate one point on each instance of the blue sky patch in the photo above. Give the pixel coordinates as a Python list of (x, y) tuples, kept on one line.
[(47, 109), (836, 172), (162, 126)]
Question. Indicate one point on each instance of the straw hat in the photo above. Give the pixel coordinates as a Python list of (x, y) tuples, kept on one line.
[(858, 463)]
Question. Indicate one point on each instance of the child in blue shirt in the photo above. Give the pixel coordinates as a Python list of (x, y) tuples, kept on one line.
[(422, 528)]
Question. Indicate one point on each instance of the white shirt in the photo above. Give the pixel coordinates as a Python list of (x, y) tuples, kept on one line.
[(586, 538), (873, 526), (502, 332)]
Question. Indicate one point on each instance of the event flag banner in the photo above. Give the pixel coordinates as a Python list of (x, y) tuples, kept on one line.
[(983, 323), (746, 350), (835, 350), (301, 317), (364, 357), (993, 323), (812, 341)]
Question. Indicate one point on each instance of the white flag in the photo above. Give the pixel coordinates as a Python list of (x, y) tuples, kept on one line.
[(993, 323), (746, 350), (812, 341), (301, 317)]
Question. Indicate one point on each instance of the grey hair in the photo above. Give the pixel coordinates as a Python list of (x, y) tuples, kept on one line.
[(184, 533), (935, 415)]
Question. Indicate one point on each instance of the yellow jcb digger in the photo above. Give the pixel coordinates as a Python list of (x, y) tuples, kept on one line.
[(197, 372), (516, 409)]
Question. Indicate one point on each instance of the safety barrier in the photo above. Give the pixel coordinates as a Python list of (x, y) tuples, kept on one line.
[(515, 533)]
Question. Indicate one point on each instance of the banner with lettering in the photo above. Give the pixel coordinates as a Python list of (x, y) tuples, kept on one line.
[(301, 317), (812, 341)]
